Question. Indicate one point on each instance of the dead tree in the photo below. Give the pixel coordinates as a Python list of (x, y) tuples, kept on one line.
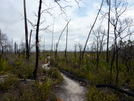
[(80, 46), (59, 38), (15, 48), (29, 46), (66, 43), (119, 27), (75, 50), (3, 44), (91, 29), (37, 40), (108, 30), (26, 31), (99, 41)]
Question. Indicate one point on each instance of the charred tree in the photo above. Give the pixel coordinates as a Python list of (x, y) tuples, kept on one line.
[(26, 31), (37, 40)]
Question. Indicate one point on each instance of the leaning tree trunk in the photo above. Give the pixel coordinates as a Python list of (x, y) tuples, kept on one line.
[(66, 43), (91, 30), (59, 39), (37, 41)]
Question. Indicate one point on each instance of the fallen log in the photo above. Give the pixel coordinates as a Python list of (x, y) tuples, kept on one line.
[(117, 89), (75, 78)]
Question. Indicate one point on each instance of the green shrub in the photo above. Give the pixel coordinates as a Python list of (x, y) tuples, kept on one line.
[(100, 77), (54, 74), (95, 94), (23, 70), (9, 83), (28, 91), (37, 91), (11, 95), (3, 66)]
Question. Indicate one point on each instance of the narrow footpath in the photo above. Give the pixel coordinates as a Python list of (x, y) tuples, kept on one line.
[(70, 90)]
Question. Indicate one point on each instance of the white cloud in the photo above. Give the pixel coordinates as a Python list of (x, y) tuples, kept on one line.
[(12, 23)]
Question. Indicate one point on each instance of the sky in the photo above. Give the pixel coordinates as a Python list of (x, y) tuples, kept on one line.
[(81, 13)]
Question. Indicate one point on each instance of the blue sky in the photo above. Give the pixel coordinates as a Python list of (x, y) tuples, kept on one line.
[(12, 24)]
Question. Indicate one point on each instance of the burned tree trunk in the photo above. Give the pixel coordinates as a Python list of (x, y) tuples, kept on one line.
[(26, 31), (37, 40)]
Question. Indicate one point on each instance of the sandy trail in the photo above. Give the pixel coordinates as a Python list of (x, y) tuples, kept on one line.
[(70, 90)]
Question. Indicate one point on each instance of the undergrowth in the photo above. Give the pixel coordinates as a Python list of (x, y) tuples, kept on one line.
[(95, 94), (98, 75), (15, 84)]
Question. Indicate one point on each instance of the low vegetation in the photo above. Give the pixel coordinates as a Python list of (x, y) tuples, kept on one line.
[(98, 75), (17, 83), (95, 94)]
